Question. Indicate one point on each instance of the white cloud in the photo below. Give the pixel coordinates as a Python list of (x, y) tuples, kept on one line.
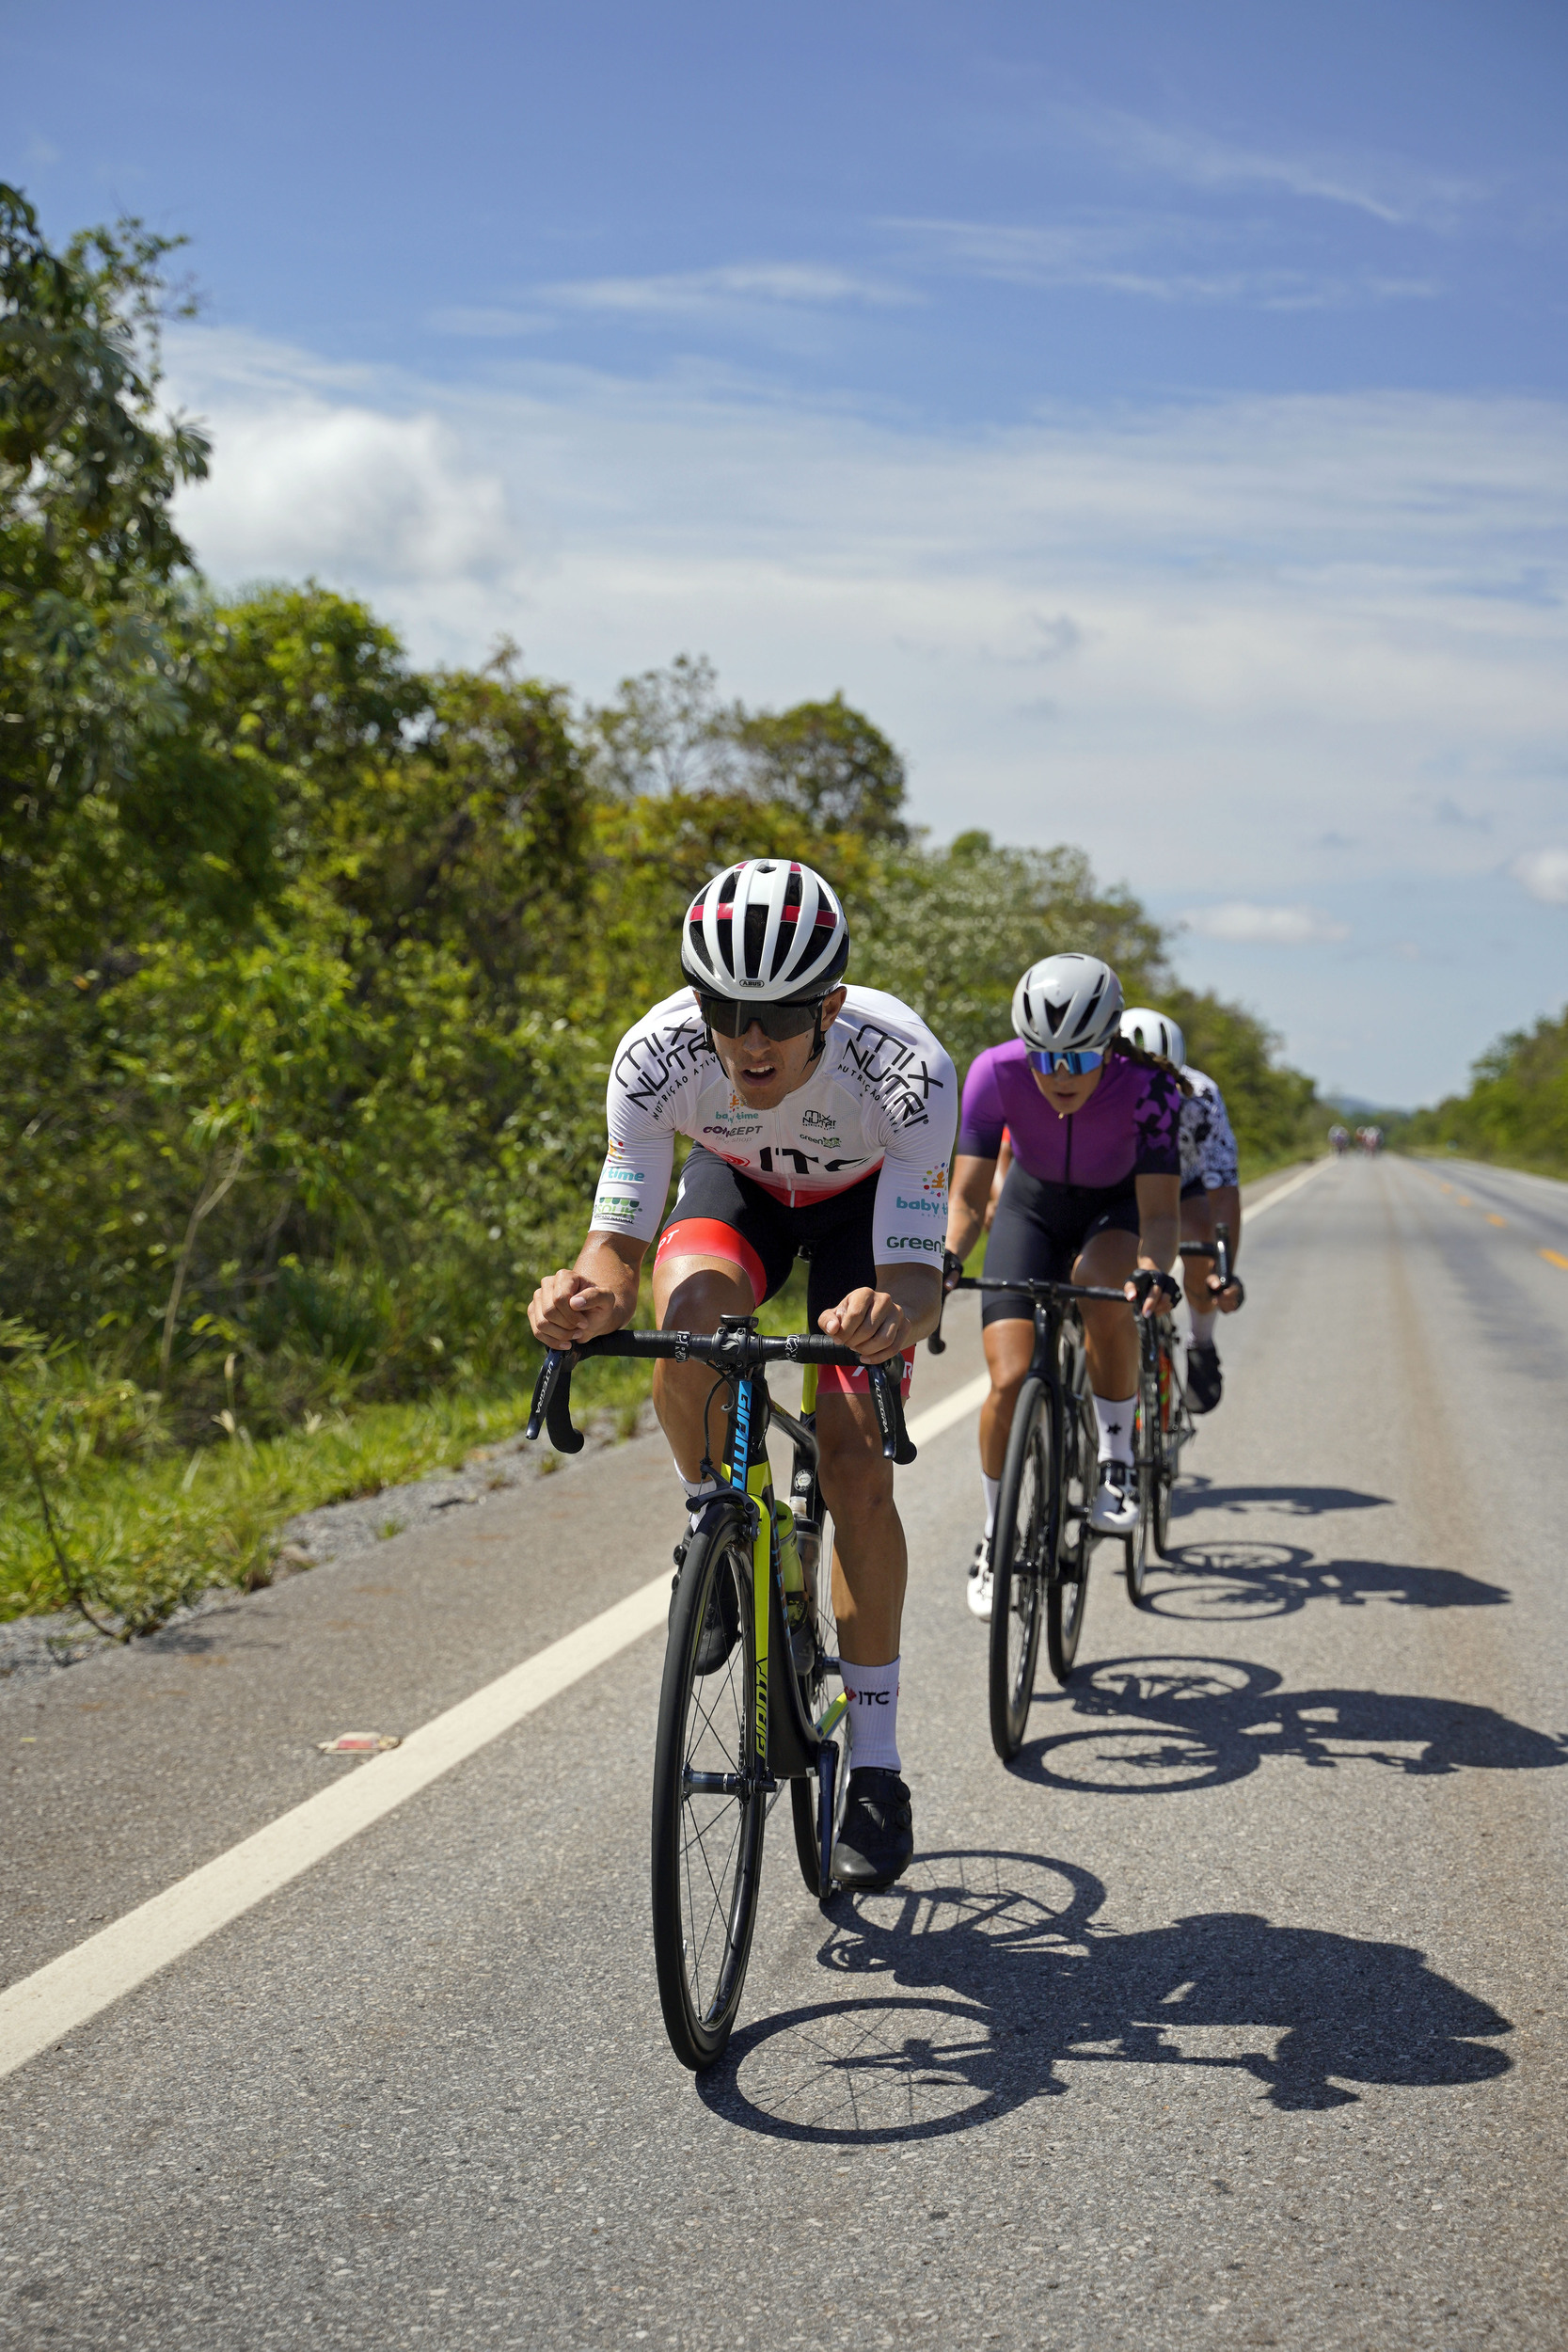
[(304, 485), (1544, 875), (1158, 256), (686, 293), (1386, 187), (1243, 924)]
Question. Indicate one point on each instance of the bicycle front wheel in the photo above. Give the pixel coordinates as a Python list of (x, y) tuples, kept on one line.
[(817, 1690), (1021, 1546), (1068, 1593), (1167, 1452), (708, 1809), (1147, 1455)]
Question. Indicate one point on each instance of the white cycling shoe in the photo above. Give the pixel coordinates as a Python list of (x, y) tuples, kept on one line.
[(1115, 1509), (980, 1581)]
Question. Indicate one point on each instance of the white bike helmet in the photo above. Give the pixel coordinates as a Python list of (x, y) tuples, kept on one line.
[(769, 930), (1156, 1032), (1067, 1004)]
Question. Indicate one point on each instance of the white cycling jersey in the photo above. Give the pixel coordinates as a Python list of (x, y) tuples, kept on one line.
[(884, 1095), (1208, 1145)]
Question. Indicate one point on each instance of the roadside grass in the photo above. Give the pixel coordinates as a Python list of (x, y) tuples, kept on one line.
[(141, 1531)]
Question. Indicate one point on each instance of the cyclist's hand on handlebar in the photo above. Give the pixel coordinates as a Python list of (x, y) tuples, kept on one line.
[(1227, 1295), (952, 1270), (874, 1325), (568, 1308), (1159, 1291)]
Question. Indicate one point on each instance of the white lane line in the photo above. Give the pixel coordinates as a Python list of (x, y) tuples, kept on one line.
[(69, 1991), (936, 1418), (1249, 1211)]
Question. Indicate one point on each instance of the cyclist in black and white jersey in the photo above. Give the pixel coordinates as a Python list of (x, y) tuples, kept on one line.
[(1210, 1196), (821, 1122)]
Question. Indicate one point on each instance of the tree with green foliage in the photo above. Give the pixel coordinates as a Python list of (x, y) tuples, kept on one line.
[(1516, 1110)]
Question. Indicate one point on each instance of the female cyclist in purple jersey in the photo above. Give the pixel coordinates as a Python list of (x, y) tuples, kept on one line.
[(1093, 1194)]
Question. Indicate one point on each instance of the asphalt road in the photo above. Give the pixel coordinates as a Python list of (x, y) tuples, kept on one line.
[(1232, 2016)]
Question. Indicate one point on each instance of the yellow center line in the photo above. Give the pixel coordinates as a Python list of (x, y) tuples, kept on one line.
[(1492, 1218), (1466, 1201), (1553, 1258)]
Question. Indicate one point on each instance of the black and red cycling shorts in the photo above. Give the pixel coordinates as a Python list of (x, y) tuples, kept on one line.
[(719, 1213)]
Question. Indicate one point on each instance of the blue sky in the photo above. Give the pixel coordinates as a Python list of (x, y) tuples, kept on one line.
[(1154, 416)]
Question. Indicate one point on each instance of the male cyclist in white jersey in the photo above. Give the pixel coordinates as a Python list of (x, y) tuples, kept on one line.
[(1210, 1196), (821, 1121)]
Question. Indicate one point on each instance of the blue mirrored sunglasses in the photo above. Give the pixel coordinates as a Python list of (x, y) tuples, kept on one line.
[(1063, 1065)]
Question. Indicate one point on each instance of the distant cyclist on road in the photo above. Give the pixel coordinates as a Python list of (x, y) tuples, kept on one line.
[(1210, 1196), (1093, 1193), (821, 1121)]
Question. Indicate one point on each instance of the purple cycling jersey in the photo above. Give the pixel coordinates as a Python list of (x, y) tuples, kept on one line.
[(1130, 1126)]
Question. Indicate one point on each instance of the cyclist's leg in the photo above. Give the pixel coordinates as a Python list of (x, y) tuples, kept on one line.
[(722, 1252), (1108, 1258), (1197, 1224), (1027, 1243)]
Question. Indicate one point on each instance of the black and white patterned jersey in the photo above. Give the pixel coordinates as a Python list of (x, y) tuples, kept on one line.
[(1208, 1145), (882, 1097)]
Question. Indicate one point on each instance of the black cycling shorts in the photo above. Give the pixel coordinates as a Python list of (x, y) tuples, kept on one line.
[(719, 1213), (1038, 1231)]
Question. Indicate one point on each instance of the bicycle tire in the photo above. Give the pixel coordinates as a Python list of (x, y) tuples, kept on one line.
[(706, 1723), (1022, 1546), (1146, 1445), (1068, 1593), (1167, 1452), (804, 1794)]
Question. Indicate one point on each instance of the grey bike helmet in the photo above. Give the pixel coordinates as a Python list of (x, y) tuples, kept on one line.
[(1068, 1003), (1156, 1032), (769, 930)]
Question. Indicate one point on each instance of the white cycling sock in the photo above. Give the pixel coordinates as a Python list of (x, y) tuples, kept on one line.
[(698, 1491), (1116, 1427), (993, 1488), (872, 1696), (1203, 1326)]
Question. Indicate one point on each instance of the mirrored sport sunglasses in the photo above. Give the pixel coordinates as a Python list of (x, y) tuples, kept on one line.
[(730, 1017), (1052, 1065)]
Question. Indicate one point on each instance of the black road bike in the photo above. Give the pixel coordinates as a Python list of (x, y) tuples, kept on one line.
[(1042, 1538), (745, 1705)]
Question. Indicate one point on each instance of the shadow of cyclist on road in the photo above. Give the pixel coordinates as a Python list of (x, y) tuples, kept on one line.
[(982, 1981), (1165, 1724), (1228, 1580)]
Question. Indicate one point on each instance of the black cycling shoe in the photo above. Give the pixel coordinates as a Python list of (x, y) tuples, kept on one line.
[(876, 1839), (721, 1619), (1205, 1380)]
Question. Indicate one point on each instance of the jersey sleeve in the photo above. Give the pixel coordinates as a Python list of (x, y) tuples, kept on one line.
[(911, 1210), (1219, 1161), (648, 1078), (982, 1124), (1158, 1122)]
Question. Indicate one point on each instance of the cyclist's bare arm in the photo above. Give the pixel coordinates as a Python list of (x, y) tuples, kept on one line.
[(1159, 1228), (880, 1323), (599, 1293), (1225, 1208), (1003, 1161), (970, 1192)]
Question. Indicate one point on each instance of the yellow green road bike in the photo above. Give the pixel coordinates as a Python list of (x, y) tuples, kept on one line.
[(746, 1702)]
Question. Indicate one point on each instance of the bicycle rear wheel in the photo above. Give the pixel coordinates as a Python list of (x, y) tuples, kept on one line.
[(1068, 1593), (707, 1838), (1019, 1551)]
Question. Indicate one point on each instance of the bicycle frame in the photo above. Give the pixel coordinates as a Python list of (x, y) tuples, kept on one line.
[(786, 1745)]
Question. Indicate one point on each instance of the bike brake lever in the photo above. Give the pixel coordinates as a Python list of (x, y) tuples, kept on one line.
[(886, 1386), (551, 1404)]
